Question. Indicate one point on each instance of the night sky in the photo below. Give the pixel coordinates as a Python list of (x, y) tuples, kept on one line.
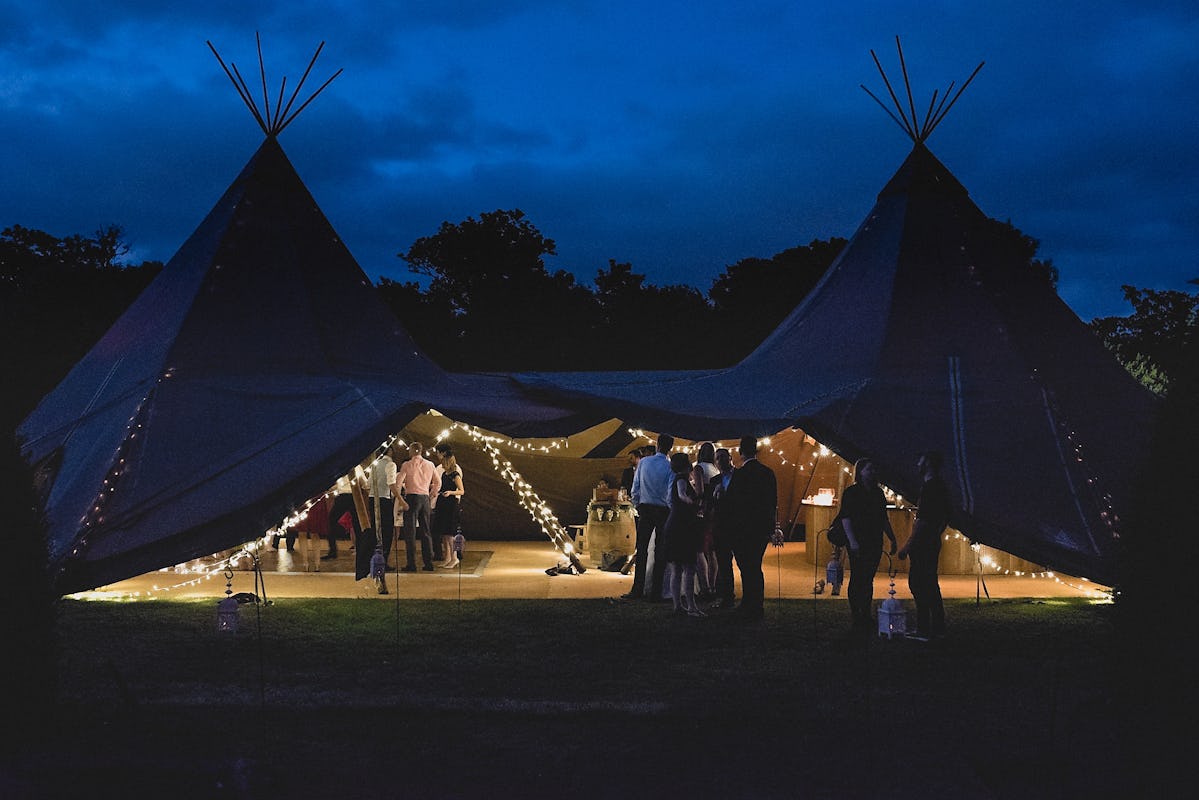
[(678, 136)]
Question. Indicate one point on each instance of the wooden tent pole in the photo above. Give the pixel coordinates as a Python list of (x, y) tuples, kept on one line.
[(360, 505)]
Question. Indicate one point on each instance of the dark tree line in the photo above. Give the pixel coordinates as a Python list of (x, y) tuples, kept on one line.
[(491, 304), (57, 298)]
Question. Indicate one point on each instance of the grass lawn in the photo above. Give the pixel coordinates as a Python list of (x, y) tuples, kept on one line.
[(358, 698)]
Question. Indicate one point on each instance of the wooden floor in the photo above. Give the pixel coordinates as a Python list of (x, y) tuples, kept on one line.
[(516, 570)]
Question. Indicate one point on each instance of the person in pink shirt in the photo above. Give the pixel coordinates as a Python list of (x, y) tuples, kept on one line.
[(417, 479)]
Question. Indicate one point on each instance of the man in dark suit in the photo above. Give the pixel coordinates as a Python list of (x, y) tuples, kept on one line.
[(752, 502)]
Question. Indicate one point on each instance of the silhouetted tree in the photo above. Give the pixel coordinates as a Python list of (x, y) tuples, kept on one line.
[(1005, 245), (490, 272), (1153, 342), (57, 297), (427, 317), (644, 326), (753, 296)]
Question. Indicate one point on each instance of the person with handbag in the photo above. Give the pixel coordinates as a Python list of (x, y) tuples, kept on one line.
[(864, 517)]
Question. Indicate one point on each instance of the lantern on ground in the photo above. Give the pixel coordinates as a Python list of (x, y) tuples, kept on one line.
[(834, 573), (226, 610), (459, 542), (379, 570), (892, 617)]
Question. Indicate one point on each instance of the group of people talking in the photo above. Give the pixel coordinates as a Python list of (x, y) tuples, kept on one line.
[(700, 518), (420, 496)]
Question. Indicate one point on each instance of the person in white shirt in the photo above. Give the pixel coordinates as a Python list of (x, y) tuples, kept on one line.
[(380, 481), (417, 479), (652, 484)]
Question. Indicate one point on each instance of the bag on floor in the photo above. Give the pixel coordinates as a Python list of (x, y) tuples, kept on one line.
[(612, 561)]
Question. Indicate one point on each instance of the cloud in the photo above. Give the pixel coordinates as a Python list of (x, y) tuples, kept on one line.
[(679, 136)]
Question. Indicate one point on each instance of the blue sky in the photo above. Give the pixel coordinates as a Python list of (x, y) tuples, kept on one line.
[(678, 136)]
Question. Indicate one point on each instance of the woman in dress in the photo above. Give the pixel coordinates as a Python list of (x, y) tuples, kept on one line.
[(683, 536), (705, 561), (445, 514)]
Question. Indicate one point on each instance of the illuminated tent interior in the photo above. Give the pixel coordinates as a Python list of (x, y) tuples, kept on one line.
[(563, 471)]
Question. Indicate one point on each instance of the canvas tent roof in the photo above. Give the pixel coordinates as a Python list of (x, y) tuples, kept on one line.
[(924, 335), (256, 368)]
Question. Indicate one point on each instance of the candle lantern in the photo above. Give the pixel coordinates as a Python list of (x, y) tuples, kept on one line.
[(892, 617), (834, 573), (379, 570), (226, 610)]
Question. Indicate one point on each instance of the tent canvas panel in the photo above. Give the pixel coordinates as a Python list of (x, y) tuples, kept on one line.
[(256, 368), (927, 333)]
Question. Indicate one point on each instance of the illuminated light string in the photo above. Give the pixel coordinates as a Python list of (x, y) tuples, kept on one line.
[(528, 498), (1101, 499), (765, 441), (818, 451), (897, 500), (108, 487), (206, 570), (508, 443), (1090, 590)]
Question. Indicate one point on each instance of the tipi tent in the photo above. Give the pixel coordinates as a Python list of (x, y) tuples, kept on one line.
[(926, 334), (254, 370)]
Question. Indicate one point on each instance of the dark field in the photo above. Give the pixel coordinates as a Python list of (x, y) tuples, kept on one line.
[(350, 699)]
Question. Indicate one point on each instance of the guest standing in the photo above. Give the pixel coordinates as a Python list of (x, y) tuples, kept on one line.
[(702, 475), (752, 496), (682, 536), (417, 478), (651, 497), (924, 546), (341, 507), (381, 481), (626, 475), (315, 526), (445, 512), (716, 514), (439, 454), (864, 513)]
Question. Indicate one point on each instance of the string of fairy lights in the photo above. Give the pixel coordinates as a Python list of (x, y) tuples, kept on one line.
[(526, 495), (206, 569), (819, 451), (214, 566), (1100, 499), (94, 516)]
